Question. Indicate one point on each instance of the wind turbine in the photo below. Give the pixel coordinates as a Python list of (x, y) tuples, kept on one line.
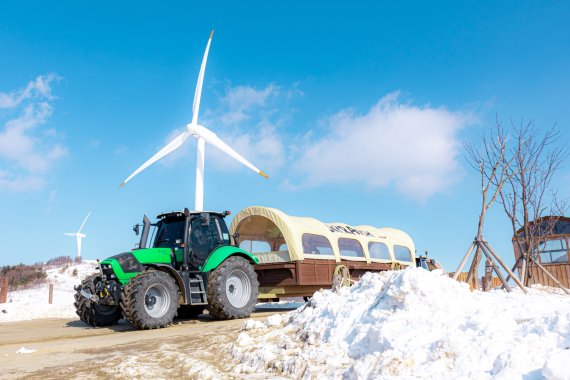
[(203, 135), (78, 235)]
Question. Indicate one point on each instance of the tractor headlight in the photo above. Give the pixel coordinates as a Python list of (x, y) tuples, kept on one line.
[(129, 263)]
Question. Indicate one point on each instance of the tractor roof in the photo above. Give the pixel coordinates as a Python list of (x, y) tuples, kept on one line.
[(180, 214)]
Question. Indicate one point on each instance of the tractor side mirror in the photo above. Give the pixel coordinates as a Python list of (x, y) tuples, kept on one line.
[(136, 229)]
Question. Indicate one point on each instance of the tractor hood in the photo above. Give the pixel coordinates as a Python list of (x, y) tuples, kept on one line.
[(126, 265)]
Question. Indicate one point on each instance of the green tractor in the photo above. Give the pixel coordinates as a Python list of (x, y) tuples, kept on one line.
[(190, 266)]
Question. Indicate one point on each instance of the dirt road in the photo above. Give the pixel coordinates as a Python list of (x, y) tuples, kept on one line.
[(69, 349)]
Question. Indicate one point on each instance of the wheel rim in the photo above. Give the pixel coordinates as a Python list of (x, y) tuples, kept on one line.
[(238, 288), (156, 301)]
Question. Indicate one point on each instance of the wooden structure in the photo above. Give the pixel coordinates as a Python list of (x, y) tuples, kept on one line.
[(4, 290), (480, 244), (299, 255), (551, 255)]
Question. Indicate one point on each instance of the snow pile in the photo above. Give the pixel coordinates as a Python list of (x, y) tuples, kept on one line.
[(413, 323), (34, 303)]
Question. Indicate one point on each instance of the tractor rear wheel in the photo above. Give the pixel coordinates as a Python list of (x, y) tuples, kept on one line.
[(232, 289), (92, 313), (150, 300)]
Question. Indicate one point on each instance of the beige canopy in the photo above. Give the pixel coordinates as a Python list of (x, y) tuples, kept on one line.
[(284, 238)]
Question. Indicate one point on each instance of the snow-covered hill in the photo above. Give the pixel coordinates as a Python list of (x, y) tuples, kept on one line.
[(413, 324), (34, 303)]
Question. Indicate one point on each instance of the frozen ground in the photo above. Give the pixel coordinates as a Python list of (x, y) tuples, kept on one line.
[(404, 324)]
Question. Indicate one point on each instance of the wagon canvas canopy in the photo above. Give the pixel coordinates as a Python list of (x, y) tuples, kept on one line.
[(274, 236)]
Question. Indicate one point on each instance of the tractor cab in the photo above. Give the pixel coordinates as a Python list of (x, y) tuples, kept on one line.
[(193, 232)]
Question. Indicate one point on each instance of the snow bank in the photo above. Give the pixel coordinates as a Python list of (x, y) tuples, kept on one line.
[(34, 303), (413, 323)]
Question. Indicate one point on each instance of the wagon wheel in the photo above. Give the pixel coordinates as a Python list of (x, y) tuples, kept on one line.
[(341, 277), (396, 266)]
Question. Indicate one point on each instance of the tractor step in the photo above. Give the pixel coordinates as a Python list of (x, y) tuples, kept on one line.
[(197, 290)]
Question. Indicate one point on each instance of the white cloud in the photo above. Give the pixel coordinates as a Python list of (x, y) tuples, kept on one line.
[(248, 119), (262, 146), (27, 152), (414, 149), (239, 102), (38, 88)]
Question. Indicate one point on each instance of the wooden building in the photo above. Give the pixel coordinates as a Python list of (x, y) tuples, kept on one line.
[(552, 250)]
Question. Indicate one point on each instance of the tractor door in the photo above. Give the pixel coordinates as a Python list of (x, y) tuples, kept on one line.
[(207, 232)]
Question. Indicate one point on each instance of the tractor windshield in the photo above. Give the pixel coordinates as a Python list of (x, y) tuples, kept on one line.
[(169, 230)]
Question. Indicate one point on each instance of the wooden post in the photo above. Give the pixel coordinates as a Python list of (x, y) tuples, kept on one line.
[(486, 247), (50, 293), (473, 268), (488, 277), (462, 264), (500, 275), (4, 295), (514, 267)]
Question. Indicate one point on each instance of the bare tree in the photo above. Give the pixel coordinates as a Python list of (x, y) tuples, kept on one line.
[(527, 194), (491, 163)]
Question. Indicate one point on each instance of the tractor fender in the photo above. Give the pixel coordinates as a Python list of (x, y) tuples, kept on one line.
[(174, 273), (220, 254)]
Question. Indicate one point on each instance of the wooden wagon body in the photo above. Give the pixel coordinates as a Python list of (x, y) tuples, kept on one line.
[(298, 255)]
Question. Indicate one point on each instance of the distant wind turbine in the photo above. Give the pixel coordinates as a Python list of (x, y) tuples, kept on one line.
[(203, 135), (78, 235)]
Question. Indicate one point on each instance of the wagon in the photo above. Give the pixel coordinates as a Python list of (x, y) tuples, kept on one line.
[(300, 255)]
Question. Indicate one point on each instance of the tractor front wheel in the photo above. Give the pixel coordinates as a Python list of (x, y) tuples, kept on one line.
[(232, 289), (92, 313), (150, 300)]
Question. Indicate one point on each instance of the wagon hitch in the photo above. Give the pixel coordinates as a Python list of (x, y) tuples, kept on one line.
[(86, 294)]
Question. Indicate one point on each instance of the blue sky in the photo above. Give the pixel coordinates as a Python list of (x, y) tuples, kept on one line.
[(358, 112)]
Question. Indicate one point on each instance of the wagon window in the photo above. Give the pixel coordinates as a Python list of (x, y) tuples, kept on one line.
[(378, 250), (553, 251), (402, 253), (283, 247), (350, 247), (255, 246), (316, 245)]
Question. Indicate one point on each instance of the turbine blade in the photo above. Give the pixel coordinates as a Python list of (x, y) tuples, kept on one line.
[(167, 149), (69, 233), (198, 92), (82, 224), (213, 139)]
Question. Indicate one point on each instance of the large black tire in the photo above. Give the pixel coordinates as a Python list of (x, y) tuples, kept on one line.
[(92, 313), (232, 289), (150, 300)]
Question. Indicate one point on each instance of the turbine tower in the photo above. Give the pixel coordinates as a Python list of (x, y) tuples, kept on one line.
[(78, 236), (203, 135)]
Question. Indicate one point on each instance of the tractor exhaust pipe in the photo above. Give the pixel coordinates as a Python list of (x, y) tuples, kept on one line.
[(145, 231), (186, 243)]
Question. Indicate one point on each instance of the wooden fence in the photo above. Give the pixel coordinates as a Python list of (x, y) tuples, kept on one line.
[(495, 281)]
